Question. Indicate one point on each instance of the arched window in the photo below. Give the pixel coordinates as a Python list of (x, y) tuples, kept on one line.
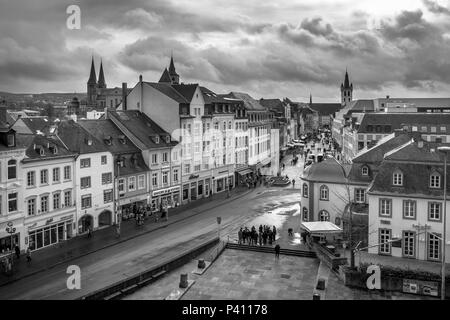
[(323, 192), (305, 214), (12, 169), (305, 190), (365, 171), (397, 178), (324, 215), (435, 180)]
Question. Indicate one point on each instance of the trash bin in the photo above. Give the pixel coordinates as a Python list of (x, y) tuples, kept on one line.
[(183, 280), (316, 296), (320, 284)]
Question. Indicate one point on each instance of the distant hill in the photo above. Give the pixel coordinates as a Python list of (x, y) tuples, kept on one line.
[(19, 99)]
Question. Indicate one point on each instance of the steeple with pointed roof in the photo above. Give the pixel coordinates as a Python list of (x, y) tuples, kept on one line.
[(92, 76), (165, 77), (310, 99), (101, 77), (172, 72), (346, 90)]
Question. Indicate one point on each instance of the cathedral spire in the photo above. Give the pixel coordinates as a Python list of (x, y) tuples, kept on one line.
[(101, 77), (92, 76), (346, 81), (310, 99), (172, 72)]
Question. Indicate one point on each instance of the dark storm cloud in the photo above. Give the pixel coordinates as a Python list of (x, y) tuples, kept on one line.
[(434, 7)]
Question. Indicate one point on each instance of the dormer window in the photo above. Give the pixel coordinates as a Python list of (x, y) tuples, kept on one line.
[(11, 140), (397, 178), (122, 139), (156, 139), (435, 180), (167, 139), (108, 140), (365, 171)]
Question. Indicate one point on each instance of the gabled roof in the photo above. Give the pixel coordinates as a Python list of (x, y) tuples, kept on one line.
[(326, 109), (249, 103), (211, 97), (165, 77), (169, 91), (361, 106), (186, 90), (77, 139), (35, 124), (143, 128)]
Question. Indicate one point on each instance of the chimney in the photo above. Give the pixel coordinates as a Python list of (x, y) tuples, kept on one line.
[(387, 97), (3, 112), (124, 96)]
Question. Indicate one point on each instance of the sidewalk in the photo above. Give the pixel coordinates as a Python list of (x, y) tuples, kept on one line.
[(47, 258)]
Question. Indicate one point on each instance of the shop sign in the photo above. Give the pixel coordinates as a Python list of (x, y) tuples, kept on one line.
[(226, 171), (66, 217), (193, 176), (165, 191), (49, 221)]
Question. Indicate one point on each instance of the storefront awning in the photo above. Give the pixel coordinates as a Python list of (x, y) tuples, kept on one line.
[(245, 171), (321, 227)]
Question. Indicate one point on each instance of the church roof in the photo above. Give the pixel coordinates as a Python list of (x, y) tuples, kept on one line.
[(172, 71), (92, 76), (165, 77), (101, 77), (346, 81)]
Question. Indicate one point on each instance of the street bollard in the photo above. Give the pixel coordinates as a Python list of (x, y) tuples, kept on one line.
[(183, 280), (316, 296), (201, 263)]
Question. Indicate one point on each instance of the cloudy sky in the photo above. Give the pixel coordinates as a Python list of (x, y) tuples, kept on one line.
[(278, 48)]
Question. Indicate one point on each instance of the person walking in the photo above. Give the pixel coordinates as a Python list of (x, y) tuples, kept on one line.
[(277, 251), (240, 236), (117, 230), (293, 183), (17, 250), (89, 232), (274, 233), (28, 254)]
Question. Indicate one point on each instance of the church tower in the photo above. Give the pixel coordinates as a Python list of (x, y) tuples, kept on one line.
[(173, 74), (101, 78), (346, 90), (92, 86)]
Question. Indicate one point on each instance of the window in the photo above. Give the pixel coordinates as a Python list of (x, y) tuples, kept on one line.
[(141, 181), (154, 158), (12, 169), (121, 186), (12, 202), (156, 139), (187, 168), (155, 179), (107, 196), (324, 215), (360, 196), (31, 179), (131, 183), (434, 211), (56, 176), (409, 209), (305, 190), (434, 247), (10, 141), (85, 182), (409, 244), (175, 175), (435, 180), (165, 157), (323, 193), (385, 236), (31, 207), (44, 204), (67, 173), (165, 177), (86, 201), (104, 160), (397, 178), (56, 201), (44, 176), (365, 171), (385, 207), (106, 178), (198, 167), (85, 163), (68, 198), (305, 214)]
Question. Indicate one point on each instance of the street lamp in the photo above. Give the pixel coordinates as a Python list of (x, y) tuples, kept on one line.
[(445, 151), (11, 230)]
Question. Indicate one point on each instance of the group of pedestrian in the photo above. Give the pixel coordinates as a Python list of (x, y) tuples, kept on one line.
[(265, 235), (254, 181)]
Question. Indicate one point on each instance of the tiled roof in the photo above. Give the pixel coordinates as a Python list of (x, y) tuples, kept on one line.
[(36, 124), (78, 139), (388, 122), (169, 91), (186, 90), (328, 170), (211, 97), (421, 102), (326, 108), (40, 147), (143, 128), (165, 77), (361, 106), (249, 103)]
